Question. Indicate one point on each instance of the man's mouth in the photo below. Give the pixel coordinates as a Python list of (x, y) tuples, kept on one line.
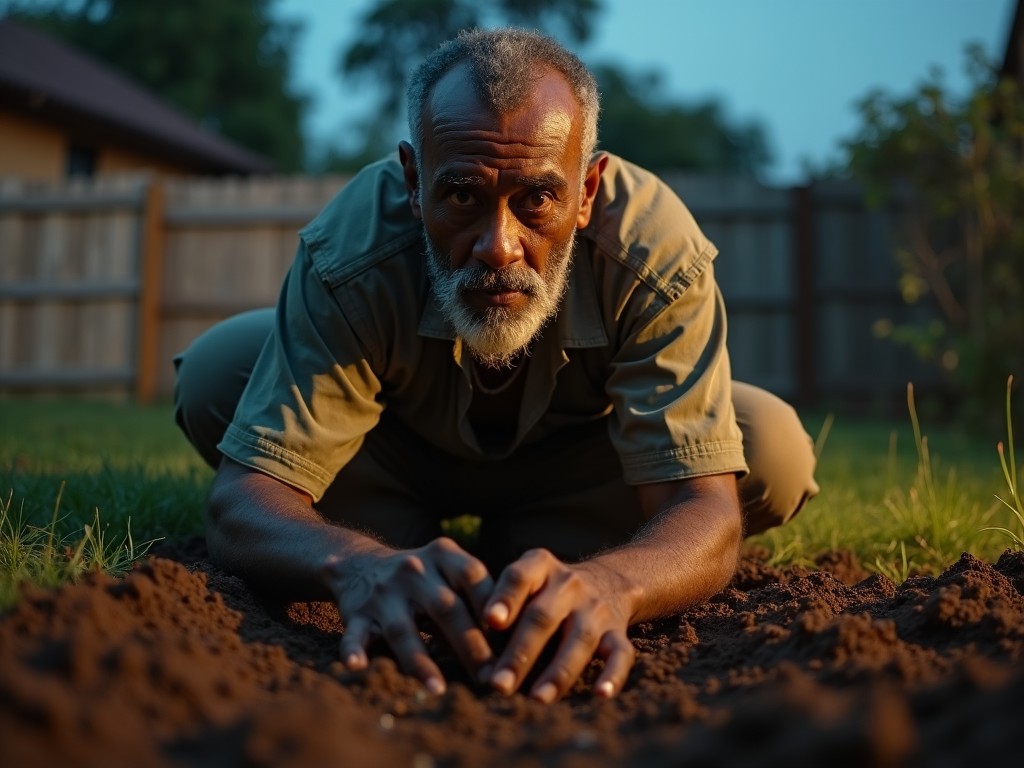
[(496, 297)]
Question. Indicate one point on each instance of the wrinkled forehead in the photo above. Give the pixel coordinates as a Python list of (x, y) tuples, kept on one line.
[(548, 102)]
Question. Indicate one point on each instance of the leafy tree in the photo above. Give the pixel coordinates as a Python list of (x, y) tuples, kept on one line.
[(638, 123), (225, 63), (961, 246), (396, 34)]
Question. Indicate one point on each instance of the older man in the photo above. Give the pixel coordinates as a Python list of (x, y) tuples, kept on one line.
[(502, 323)]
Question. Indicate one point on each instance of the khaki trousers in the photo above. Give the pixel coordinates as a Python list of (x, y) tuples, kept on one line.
[(565, 493)]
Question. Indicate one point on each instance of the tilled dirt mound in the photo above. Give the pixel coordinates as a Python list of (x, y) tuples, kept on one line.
[(182, 665)]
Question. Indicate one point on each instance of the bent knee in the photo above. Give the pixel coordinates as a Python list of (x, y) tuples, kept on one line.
[(780, 456), (211, 375)]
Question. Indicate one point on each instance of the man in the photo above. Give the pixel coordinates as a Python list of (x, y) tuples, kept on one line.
[(505, 324)]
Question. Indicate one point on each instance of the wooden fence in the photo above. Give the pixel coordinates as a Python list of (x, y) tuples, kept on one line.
[(102, 282)]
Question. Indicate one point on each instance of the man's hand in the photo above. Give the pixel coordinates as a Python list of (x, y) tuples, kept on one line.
[(686, 552), (589, 604), (382, 593)]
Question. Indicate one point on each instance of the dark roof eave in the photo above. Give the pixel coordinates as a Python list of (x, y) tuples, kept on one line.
[(1012, 64), (96, 93), (91, 128)]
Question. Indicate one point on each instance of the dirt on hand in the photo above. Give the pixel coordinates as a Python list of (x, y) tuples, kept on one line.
[(181, 664)]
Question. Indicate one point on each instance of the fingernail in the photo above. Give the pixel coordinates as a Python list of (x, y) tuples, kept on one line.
[(546, 693), (435, 685), (498, 613), (354, 661), (485, 673), (504, 680), (605, 690)]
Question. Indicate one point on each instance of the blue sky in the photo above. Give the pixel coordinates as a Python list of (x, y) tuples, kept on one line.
[(797, 66)]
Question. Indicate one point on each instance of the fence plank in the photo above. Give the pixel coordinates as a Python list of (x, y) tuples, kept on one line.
[(150, 269)]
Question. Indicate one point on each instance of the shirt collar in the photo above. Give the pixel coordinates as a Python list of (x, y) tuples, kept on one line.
[(578, 323)]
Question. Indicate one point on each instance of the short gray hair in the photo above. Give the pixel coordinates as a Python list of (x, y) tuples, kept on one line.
[(503, 67)]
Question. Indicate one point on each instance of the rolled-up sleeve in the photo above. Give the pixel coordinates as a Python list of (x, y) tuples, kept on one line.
[(313, 394), (671, 390)]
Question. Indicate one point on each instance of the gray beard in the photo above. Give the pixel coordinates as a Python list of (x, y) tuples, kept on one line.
[(498, 335)]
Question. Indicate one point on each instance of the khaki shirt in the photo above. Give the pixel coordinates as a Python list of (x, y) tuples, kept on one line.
[(640, 341)]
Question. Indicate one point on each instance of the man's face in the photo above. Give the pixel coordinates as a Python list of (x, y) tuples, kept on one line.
[(500, 197)]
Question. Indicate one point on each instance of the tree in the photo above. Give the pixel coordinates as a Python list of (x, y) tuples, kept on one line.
[(962, 243), (640, 124), (226, 64), (395, 34), (637, 121)]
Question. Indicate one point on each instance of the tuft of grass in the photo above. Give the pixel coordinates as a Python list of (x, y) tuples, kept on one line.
[(934, 521), (1009, 467), (121, 474), (42, 556), (901, 514)]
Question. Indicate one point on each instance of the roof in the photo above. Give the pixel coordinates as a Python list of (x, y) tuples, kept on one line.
[(44, 77), (1013, 56)]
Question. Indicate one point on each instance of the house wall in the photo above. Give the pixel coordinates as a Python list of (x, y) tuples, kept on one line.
[(30, 149), (114, 160), (35, 150)]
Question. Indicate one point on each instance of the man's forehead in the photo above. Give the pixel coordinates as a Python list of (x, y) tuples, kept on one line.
[(543, 179), (549, 98)]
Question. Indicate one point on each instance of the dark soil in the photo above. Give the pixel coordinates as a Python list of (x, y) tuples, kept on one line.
[(181, 664)]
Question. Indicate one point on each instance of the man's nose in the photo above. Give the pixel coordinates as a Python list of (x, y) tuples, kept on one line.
[(499, 244)]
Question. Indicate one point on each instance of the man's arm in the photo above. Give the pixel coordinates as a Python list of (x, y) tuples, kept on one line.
[(685, 554), (269, 533)]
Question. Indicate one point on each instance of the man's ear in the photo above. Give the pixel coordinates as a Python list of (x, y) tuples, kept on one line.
[(407, 157), (591, 181)]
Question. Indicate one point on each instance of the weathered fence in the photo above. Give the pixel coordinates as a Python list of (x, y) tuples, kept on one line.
[(102, 282), (71, 297)]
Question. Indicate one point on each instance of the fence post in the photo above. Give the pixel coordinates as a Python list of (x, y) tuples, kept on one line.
[(150, 269), (806, 314)]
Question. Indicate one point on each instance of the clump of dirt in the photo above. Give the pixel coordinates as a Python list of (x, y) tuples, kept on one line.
[(181, 664)]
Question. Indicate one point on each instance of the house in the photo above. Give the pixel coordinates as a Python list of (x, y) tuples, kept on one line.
[(63, 113), (1013, 55)]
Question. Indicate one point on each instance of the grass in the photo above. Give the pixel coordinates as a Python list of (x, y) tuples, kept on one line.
[(905, 502), (43, 556), (1013, 501), (89, 485)]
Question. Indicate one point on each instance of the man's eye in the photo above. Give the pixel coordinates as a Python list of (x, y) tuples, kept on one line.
[(461, 197), (537, 200)]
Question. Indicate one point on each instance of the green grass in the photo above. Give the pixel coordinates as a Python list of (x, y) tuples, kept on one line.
[(905, 498), (85, 485)]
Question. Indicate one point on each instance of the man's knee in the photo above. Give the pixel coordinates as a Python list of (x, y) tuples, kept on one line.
[(780, 455), (211, 375)]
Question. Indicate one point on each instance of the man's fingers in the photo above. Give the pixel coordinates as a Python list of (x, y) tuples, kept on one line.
[(579, 641), (537, 624), (399, 631), (516, 584), (469, 577), (358, 633), (451, 615), (619, 654)]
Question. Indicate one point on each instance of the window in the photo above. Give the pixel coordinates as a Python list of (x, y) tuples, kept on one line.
[(81, 160)]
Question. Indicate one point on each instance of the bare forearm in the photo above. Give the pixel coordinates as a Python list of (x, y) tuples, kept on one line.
[(269, 534), (686, 554)]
